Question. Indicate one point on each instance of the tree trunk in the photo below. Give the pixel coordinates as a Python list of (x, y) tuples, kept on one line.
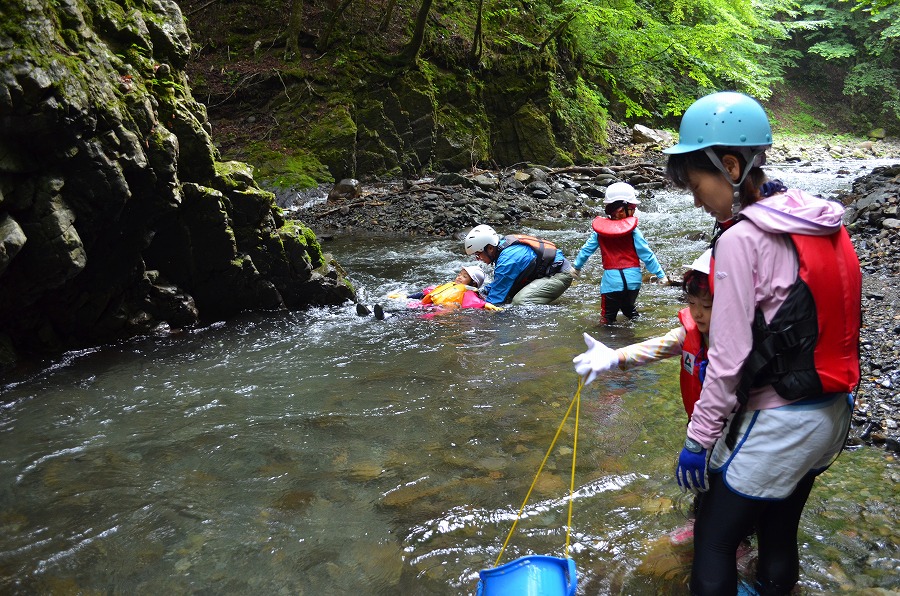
[(292, 44), (323, 42), (477, 42), (557, 32), (411, 51), (386, 20)]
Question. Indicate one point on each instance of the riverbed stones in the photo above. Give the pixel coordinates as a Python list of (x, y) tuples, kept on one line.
[(869, 202)]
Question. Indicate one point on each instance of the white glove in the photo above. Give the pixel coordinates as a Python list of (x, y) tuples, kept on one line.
[(663, 281), (597, 359)]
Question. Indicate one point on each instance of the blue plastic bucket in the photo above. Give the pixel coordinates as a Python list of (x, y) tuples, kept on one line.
[(534, 575)]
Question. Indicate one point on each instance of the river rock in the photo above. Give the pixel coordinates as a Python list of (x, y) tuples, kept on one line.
[(643, 134), (348, 188)]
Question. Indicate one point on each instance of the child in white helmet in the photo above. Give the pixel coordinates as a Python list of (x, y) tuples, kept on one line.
[(462, 292), (690, 341), (623, 249)]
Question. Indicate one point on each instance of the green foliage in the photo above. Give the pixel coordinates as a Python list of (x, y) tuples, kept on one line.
[(284, 169), (852, 52), (580, 111), (875, 6), (802, 119), (871, 79), (831, 50), (652, 59)]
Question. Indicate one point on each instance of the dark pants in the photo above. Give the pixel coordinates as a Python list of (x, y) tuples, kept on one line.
[(726, 518), (612, 302)]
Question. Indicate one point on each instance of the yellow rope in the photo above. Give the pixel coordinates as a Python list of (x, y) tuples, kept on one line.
[(575, 400), (574, 452)]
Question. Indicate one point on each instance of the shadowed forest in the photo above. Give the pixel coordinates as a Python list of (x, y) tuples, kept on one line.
[(313, 91)]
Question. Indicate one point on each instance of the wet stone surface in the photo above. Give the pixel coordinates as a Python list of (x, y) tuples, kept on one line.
[(871, 219)]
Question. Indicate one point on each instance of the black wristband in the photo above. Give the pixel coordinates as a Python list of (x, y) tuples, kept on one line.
[(692, 445)]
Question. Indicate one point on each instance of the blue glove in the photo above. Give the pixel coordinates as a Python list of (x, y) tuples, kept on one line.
[(691, 472)]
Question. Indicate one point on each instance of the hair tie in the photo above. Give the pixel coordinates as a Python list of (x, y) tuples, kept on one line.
[(772, 187)]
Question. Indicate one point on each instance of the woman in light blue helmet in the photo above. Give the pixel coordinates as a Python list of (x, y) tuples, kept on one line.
[(783, 356)]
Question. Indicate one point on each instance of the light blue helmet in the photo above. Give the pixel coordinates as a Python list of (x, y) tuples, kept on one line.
[(724, 119)]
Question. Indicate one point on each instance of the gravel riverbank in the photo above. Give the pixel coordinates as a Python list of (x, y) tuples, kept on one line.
[(449, 204), (872, 220)]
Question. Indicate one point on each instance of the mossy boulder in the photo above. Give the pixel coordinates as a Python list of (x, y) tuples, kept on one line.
[(333, 139), (527, 136), (116, 213)]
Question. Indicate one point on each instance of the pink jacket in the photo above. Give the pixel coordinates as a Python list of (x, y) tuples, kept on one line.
[(755, 266)]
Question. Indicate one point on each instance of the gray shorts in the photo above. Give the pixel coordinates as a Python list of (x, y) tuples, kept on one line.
[(775, 448), (544, 290)]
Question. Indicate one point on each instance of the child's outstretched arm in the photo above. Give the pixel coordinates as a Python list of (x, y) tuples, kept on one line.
[(600, 358), (653, 349)]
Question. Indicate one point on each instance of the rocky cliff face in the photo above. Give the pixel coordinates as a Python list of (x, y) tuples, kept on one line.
[(116, 214)]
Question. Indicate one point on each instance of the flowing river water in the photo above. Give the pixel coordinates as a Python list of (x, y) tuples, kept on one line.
[(325, 453)]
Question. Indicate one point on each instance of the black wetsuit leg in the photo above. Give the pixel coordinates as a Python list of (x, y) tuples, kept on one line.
[(779, 558), (609, 308), (726, 518), (629, 299), (723, 520)]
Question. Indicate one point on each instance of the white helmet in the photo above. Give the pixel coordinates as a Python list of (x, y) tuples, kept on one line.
[(479, 237), (620, 191), (701, 263), (476, 274)]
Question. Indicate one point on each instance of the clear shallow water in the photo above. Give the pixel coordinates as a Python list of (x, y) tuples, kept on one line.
[(324, 453)]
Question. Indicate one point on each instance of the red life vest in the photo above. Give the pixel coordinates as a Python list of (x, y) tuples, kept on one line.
[(811, 346), (693, 354), (616, 242)]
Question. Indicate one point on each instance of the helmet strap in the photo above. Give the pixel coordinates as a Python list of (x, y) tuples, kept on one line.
[(750, 156)]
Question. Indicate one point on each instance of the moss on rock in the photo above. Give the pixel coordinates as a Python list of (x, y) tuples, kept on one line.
[(527, 135), (332, 138), (290, 167)]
